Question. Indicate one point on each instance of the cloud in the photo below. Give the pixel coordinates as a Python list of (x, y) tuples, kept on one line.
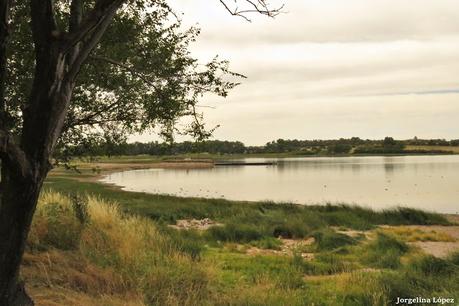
[(335, 68), (326, 21)]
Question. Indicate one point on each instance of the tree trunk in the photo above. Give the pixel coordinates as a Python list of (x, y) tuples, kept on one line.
[(19, 198), (24, 167)]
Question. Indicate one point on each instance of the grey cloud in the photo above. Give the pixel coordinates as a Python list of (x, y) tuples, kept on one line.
[(335, 68), (343, 21)]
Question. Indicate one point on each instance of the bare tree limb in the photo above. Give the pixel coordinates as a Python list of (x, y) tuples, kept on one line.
[(251, 6)]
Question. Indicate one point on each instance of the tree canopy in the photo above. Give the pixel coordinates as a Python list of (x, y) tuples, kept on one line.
[(140, 76)]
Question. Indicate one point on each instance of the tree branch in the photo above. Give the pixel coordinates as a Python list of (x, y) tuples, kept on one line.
[(96, 17), (89, 119), (132, 70), (259, 7), (11, 152), (75, 19), (97, 31)]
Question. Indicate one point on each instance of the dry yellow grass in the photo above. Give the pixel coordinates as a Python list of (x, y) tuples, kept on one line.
[(111, 259), (410, 234)]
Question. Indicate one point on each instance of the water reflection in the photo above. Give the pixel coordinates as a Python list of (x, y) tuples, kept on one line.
[(428, 182)]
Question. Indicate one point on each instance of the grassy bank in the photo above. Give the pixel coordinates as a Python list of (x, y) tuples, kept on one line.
[(93, 244), (83, 250), (263, 219)]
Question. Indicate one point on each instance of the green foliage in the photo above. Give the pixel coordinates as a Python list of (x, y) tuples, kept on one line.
[(454, 258), (186, 241), (384, 252), (433, 266), (235, 233), (290, 278), (216, 148), (267, 243), (57, 226), (170, 267), (327, 240), (180, 285), (339, 149), (405, 215), (292, 229), (80, 207), (140, 76)]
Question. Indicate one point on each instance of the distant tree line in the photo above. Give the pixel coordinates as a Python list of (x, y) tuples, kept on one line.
[(353, 145)]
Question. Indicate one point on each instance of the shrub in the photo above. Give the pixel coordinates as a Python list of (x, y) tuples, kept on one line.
[(235, 233), (405, 215), (384, 252), (290, 278), (454, 258), (187, 241), (330, 240), (268, 243), (430, 265), (290, 230), (80, 207), (55, 224)]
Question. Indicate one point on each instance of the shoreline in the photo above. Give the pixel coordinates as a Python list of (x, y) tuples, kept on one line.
[(95, 177)]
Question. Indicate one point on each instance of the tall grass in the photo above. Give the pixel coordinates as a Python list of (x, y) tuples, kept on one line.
[(140, 260), (88, 251), (384, 252)]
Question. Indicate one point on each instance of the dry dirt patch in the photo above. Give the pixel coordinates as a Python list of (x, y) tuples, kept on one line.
[(288, 248), (195, 224)]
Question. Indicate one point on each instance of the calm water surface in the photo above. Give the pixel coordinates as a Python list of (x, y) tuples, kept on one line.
[(427, 182)]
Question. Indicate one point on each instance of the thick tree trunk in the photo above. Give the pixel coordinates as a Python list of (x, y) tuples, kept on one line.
[(22, 179), (25, 167), (19, 198)]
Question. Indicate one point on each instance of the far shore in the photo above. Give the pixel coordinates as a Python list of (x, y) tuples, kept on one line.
[(105, 164)]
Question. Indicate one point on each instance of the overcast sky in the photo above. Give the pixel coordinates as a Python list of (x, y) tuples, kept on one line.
[(334, 68)]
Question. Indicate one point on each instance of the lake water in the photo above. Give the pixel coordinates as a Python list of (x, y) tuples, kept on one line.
[(426, 182)]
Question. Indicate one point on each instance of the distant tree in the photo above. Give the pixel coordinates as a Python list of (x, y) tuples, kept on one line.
[(339, 148), (389, 142), (74, 71)]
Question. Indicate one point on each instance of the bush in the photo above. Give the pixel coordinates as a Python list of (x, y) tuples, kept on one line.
[(454, 258), (430, 265), (384, 252), (330, 240), (80, 207), (235, 233), (187, 241), (405, 216), (55, 224), (291, 229), (268, 243), (290, 278)]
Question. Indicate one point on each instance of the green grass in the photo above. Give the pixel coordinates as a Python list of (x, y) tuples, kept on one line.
[(328, 239), (258, 220), (384, 252), (91, 250), (212, 264)]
